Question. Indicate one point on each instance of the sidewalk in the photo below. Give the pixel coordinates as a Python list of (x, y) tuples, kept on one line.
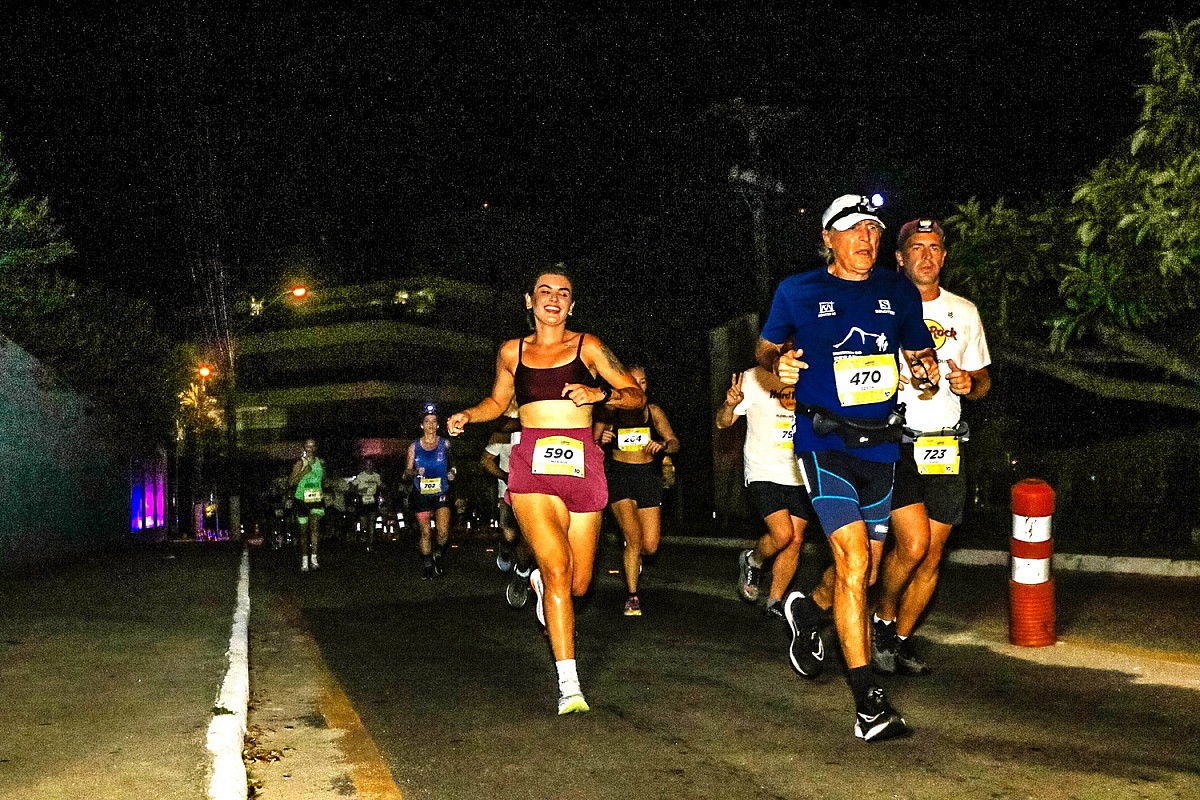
[(111, 665)]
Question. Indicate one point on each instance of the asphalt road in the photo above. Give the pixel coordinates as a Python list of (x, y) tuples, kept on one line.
[(696, 699)]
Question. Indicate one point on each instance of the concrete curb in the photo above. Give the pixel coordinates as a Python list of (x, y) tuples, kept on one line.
[(1063, 562), (227, 730), (1069, 562)]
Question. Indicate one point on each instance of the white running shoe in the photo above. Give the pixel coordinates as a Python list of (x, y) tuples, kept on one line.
[(572, 704), (314, 561), (304, 564), (539, 588)]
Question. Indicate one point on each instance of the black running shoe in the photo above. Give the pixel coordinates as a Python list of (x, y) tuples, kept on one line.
[(908, 662), (877, 720), (439, 563), (747, 577), (428, 572), (504, 556), (807, 651), (773, 610), (516, 594), (884, 646)]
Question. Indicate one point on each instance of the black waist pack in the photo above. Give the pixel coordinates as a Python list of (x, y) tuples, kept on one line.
[(857, 433)]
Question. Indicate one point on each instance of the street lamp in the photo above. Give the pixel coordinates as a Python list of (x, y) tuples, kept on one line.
[(257, 304), (297, 293)]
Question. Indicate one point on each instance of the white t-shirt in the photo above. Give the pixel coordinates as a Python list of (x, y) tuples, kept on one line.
[(502, 451), (957, 334), (770, 411), (367, 484)]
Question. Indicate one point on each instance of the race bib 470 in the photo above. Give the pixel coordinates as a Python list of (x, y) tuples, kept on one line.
[(862, 380)]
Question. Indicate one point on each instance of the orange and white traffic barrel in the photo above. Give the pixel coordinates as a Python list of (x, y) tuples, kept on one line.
[(1031, 586)]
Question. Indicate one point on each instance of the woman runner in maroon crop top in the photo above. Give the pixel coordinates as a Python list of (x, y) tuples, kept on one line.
[(556, 480), (546, 384)]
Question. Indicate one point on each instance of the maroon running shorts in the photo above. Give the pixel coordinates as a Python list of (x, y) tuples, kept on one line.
[(557, 452)]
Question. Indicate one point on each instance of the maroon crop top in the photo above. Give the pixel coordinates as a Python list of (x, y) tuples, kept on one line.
[(532, 384)]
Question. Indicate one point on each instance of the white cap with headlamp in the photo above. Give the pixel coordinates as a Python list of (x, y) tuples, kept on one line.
[(849, 210)]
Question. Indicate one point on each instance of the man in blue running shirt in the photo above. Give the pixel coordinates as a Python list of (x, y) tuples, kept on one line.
[(837, 335)]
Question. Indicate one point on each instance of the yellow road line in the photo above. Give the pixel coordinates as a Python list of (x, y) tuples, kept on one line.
[(372, 778)]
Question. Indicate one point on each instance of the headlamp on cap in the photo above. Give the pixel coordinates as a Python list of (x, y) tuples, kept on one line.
[(430, 408), (849, 210), (915, 226)]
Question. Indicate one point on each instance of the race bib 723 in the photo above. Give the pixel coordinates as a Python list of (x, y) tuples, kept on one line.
[(936, 455)]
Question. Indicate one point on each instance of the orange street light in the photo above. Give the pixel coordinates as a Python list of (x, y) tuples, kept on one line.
[(258, 305), (204, 371)]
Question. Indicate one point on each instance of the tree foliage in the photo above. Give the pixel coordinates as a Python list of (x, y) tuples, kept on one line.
[(1111, 276), (105, 347)]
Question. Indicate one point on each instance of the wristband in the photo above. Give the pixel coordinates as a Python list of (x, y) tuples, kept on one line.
[(607, 392)]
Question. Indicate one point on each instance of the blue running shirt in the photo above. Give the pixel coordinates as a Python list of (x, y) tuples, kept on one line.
[(436, 480), (851, 333)]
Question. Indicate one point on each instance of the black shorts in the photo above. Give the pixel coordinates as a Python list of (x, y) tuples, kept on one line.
[(771, 497), (944, 496), (640, 483), (425, 503), (304, 510)]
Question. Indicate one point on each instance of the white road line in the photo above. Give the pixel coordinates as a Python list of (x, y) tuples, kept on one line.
[(227, 730)]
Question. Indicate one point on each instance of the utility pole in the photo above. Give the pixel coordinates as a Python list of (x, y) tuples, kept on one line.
[(752, 182)]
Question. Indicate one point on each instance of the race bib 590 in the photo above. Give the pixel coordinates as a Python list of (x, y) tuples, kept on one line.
[(558, 455)]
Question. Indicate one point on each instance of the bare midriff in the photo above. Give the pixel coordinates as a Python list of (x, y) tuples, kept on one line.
[(555, 414)]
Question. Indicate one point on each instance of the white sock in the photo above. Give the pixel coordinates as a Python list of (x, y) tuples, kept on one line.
[(877, 618), (568, 677)]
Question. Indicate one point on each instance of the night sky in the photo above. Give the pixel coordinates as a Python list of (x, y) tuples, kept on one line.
[(163, 137)]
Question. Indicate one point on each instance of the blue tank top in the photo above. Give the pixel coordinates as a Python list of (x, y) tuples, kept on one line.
[(437, 468)]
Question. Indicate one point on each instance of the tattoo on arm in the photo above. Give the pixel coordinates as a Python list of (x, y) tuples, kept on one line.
[(611, 358)]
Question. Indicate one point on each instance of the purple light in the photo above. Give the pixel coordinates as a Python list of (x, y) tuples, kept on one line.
[(148, 493)]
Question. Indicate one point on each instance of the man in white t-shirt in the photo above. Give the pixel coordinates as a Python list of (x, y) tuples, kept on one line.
[(509, 554), (367, 485), (929, 492), (773, 479)]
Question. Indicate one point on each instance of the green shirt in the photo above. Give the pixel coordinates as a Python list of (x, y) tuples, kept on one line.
[(312, 479)]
